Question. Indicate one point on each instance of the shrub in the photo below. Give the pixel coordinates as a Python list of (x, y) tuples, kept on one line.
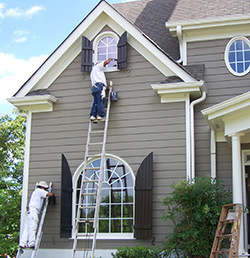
[(138, 252), (194, 208)]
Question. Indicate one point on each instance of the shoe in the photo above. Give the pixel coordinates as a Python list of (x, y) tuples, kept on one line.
[(22, 247), (99, 118), (93, 119), (32, 247)]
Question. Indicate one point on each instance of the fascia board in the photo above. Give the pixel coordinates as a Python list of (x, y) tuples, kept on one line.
[(159, 59), (227, 107), (213, 28), (35, 104), (209, 22)]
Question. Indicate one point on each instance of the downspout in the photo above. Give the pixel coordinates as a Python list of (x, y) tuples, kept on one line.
[(213, 154), (192, 138), (180, 38), (24, 201)]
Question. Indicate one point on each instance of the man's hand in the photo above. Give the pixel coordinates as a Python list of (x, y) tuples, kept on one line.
[(107, 61)]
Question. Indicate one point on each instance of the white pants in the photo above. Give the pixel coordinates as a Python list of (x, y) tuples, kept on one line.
[(28, 237)]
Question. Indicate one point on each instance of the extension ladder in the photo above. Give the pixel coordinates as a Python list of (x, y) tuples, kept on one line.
[(39, 232), (89, 202), (226, 241)]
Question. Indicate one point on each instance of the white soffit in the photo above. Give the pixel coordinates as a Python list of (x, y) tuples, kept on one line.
[(212, 28), (35, 104), (175, 92), (219, 115), (101, 16)]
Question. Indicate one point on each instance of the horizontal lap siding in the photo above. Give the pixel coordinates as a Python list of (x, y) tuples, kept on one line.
[(221, 86), (139, 124)]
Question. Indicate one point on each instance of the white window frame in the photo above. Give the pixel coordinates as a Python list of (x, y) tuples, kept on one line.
[(226, 55), (95, 45), (101, 235)]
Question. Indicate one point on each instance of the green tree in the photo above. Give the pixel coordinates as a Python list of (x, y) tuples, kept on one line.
[(12, 137), (194, 208)]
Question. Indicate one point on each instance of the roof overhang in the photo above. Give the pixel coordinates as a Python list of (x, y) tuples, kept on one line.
[(230, 116), (211, 28), (102, 15), (176, 92), (35, 104)]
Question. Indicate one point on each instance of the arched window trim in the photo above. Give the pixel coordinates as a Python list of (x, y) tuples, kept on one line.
[(95, 45), (74, 183), (226, 55)]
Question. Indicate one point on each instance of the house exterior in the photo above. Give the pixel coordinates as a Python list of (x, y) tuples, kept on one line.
[(183, 111)]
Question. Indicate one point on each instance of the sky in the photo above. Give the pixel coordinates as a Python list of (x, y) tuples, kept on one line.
[(30, 30)]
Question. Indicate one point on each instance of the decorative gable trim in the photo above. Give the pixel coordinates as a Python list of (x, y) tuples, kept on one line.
[(34, 104), (230, 116), (176, 92), (103, 14)]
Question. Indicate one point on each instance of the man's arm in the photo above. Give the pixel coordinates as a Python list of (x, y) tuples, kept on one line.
[(49, 194), (107, 61)]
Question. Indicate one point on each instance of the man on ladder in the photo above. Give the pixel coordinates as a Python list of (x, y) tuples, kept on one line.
[(28, 238), (98, 82)]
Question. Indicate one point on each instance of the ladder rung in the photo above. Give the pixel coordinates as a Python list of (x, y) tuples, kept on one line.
[(227, 220), (83, 249), (87, 207), (222, 252), (90, 181), (92, 168), (89, 194), (95, 143), (224, 236), (97, 131), (93, 156), (85, 220)]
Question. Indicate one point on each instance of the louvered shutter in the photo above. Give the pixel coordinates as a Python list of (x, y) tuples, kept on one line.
[(143, 199), (66, 199), (122, 51), (87, 54)]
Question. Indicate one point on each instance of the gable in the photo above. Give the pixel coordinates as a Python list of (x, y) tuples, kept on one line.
[(102, 15)]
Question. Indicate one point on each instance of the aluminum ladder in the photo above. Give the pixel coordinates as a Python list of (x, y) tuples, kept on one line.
[(227, 237), (39, 232), (89, 202)]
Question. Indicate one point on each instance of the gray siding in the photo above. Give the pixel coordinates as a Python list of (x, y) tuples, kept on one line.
[(139, 124), (221, 85)]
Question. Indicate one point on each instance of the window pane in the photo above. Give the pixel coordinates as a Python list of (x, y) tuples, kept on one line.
[(127, 225), (104, 226), (233, 67), (128, 211), (239, 56), (115, 226), (239, 45), (240, 68), (104, 211), (232, 48), (231, 57), (247, 55), (247, 65)]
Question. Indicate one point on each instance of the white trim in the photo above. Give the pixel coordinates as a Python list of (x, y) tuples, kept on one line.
[(226, 55), (101, 16), (35, 104), (188, 150), (74, 182), (95, 45), (24, 202)]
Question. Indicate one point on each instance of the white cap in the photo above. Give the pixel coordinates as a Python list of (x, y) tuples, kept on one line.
[(43, 184)]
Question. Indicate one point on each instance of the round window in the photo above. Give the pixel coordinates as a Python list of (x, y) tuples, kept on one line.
[(237, 56)]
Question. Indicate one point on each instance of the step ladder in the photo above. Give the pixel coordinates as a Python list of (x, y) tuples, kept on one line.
[(39, 232), (89, 202), (226, 241)]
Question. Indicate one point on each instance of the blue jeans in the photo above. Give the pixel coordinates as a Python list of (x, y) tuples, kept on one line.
[(98, 102)]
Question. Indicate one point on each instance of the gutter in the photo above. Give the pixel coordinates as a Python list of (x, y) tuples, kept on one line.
[(192, 137)]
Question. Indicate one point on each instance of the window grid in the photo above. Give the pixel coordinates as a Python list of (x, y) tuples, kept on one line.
[(115, 179), (238, 56)]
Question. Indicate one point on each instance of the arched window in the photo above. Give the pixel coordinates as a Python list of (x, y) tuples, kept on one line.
[(237, 56), (117, 202), (105, 46)]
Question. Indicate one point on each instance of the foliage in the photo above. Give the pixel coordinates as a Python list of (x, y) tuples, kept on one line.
[(194, 208), (12, 136), (138, 252)]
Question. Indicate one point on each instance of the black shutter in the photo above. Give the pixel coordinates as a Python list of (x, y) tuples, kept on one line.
[(143, 199), (66, 200), (87, 54), (122, 51)]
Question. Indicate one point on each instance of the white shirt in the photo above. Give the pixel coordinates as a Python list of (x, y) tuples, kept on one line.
[(36, 200), (97, 74)]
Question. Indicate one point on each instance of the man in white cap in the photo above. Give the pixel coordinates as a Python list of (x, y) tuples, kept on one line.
[(28, 237)]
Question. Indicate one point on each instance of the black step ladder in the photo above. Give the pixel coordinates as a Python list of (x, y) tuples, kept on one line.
[(39, 232), (227, 237), (89, 202)]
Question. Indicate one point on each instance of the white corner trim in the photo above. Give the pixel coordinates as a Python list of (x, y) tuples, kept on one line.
[(175, 92), (35, 104)]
